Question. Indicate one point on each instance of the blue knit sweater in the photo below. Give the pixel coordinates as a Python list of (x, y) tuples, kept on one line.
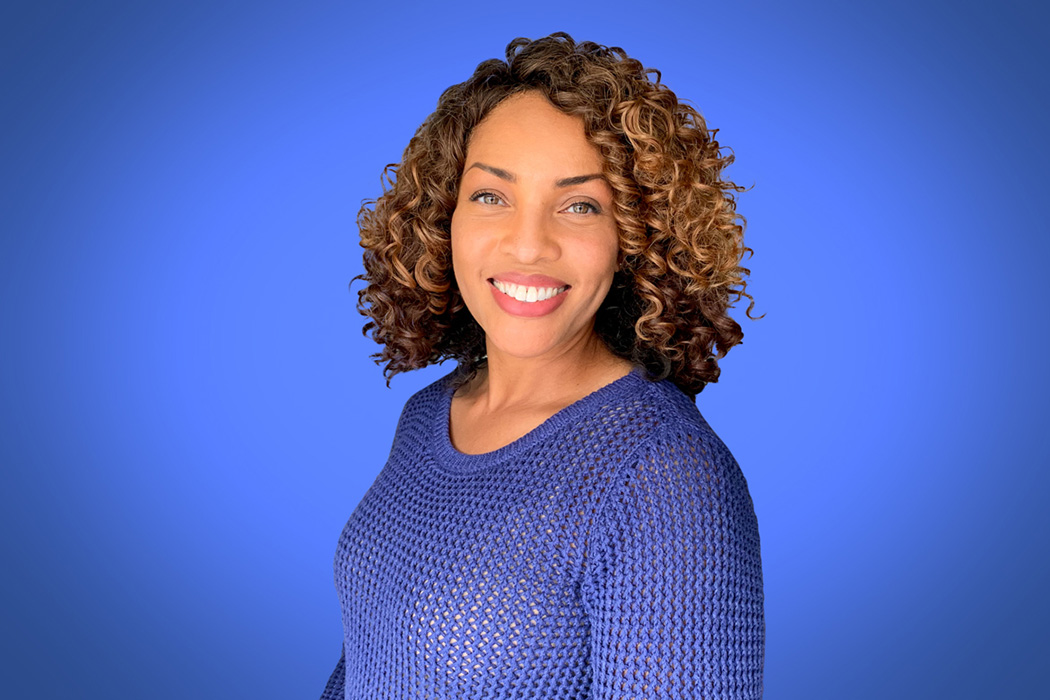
[(612, 552)]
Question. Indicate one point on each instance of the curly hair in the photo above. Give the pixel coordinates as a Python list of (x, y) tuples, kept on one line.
[(681, 240)]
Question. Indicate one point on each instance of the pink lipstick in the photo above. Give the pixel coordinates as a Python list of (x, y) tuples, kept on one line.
[(528, 309)]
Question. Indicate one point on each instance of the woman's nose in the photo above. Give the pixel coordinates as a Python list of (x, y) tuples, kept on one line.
[(529, 237)]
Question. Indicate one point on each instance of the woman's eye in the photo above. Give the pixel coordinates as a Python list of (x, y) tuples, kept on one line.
[(582, 208), (486, 198)]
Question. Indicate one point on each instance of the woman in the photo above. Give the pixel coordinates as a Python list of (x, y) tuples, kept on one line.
[(556, 519)]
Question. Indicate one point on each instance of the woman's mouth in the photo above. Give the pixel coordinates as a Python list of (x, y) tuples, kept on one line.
[(529, 295), (526, 301)]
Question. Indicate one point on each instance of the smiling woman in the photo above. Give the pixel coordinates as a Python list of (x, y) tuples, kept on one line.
[(534, 251), (556, 519)]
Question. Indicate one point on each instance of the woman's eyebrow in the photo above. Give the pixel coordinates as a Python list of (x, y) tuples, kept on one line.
[(578, 180), (510, 177), (498, 172)]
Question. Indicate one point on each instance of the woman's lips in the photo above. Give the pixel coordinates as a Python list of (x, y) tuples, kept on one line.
[(529, 280), (528, 309)]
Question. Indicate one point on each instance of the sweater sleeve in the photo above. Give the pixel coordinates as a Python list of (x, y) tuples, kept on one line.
[(673, 585), (335, 690)]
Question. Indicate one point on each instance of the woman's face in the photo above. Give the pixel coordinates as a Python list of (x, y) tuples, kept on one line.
[(534, 241)]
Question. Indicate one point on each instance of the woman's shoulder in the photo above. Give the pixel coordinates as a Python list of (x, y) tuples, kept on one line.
[(681, 440), (421, 406), (674, 410)]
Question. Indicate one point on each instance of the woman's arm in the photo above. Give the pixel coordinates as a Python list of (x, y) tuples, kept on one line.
[(673, 587)]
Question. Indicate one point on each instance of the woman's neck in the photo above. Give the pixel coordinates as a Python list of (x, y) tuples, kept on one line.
[(508, 382)]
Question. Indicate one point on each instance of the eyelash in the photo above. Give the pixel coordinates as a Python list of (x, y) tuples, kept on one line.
[(594, 209)]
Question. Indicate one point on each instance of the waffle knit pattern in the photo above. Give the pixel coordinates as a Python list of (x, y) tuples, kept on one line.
[(612, 552)]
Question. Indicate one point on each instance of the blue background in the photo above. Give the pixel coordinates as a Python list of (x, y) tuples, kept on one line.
[(189, 415)]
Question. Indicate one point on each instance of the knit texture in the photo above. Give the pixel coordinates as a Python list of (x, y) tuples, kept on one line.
[(612, 552)]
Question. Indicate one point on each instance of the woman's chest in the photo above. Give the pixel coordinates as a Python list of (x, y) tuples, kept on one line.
[(466, 573), (460, 532)]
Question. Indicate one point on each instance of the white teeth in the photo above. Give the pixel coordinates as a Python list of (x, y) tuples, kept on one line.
[(527, 294)]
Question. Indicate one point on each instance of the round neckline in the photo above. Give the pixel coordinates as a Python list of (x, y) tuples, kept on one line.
[(450, 459)]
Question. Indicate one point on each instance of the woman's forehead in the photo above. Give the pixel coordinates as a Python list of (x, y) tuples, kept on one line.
[(527, 133)]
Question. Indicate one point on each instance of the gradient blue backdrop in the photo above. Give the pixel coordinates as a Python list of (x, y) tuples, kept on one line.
[(189, 414)]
